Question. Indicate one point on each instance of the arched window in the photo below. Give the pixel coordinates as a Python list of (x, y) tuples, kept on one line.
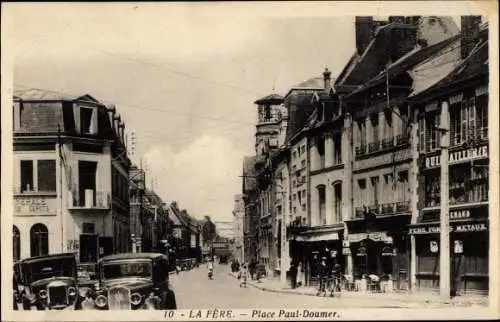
[(16, 243), (39, 240)]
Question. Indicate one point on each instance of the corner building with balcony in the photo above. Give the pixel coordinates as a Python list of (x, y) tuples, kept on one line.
[(453, 114), (383, 164), (65, 150)]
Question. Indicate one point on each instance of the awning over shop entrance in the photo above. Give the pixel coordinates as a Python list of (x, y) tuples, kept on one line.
[(318, 237), (375, 236)]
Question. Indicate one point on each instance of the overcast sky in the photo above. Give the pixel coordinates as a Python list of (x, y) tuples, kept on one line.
[(184, 78)]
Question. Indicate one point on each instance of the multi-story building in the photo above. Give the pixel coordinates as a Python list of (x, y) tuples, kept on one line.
[(251, 221), (300, 105), (267, 140), (66, 150), (238, 217), (137, 184), (326, 150), (185, 238), (384, 163), (155, 222), (452, 120)]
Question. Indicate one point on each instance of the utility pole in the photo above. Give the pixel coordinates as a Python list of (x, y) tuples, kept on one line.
[(444, 228)]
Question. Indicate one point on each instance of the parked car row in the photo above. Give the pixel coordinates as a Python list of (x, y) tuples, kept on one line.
[(117, 282), (186, 264)]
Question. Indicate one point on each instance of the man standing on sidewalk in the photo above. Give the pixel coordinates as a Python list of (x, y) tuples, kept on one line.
[(322, 274), (293, 274)]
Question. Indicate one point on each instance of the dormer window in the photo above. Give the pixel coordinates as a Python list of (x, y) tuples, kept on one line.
[(85, 119)]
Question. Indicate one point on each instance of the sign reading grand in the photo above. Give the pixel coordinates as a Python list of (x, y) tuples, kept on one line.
[(463, 228), (459, 156), (34, 206)]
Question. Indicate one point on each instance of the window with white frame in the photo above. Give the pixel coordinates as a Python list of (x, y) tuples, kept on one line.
[(38, 175)]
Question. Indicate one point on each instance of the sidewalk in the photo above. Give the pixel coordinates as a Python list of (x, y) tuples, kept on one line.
[(273, 285)]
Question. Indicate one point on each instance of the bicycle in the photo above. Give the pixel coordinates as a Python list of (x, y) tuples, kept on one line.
[(334, 286)]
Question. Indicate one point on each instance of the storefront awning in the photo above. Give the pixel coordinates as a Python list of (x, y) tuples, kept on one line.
[(318, 237), (375, 236)]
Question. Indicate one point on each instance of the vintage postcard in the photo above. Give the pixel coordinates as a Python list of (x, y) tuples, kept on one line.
[(250, 161)]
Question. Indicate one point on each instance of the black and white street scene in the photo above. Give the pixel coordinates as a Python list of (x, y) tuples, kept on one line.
[(189, 156)]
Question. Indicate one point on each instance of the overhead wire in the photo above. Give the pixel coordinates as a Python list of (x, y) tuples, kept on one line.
[(146, 108)]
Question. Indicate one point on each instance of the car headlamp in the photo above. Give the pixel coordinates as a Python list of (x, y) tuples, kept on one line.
[(101, 301), (43, 294), (20, 288), (135, 298), (71, 291)]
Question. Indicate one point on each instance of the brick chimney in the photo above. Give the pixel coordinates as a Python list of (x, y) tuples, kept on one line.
[(327, 78), (364, 32), (469, 34)]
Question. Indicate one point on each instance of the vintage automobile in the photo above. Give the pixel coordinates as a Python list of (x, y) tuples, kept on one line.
[(86, 277), (17, 284), (48, 282), (132, 281)]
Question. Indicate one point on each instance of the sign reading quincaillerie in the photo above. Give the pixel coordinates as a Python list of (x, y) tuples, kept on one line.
[(459, 156), (463, 228)]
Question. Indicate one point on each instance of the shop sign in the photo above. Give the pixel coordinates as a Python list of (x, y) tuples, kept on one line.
[(459, 156), (346, 251), (458, 247), (469, 154), (471, 228), (34, 205), (464, 228), (345, 243), (459, 214), (434, 246), (388, 251)]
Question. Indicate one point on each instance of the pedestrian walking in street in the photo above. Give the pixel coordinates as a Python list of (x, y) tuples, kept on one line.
[(243, 276), (210, 266)]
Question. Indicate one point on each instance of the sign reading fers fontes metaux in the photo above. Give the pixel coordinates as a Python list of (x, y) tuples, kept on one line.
[(458, 229)]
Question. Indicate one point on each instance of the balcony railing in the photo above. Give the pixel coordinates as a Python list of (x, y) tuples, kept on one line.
[(387, 143), (373, 146), (360, 212), (387, 208), (477, 135), (382, 145), (472, 196), (402, 206), (92, 200), (384, 209), (402, 139), (361, 149)]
